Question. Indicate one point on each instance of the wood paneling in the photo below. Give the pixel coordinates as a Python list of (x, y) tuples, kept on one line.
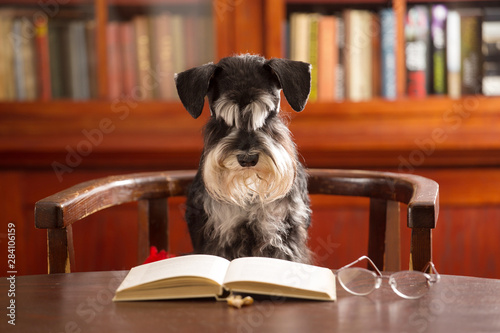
[(466, 241)]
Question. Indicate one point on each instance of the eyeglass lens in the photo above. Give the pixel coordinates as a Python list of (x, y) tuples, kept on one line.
[(409, 284), (358, 281)]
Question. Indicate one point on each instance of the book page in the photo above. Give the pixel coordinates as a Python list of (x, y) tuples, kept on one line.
[(281, 273), (205, 266)]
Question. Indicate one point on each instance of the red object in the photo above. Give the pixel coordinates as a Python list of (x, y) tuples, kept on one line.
[(154, 255), (416, 84), (43, 62)]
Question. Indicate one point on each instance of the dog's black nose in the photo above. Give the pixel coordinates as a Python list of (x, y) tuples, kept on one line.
[(248, 160)]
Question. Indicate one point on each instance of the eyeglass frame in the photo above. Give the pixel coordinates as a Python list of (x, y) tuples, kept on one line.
[(431, 278)]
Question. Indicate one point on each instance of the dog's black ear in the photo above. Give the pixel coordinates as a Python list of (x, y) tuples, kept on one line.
[(295, 80), (192, 86)]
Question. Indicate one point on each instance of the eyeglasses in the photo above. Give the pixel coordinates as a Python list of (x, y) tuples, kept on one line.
[(407, 284)]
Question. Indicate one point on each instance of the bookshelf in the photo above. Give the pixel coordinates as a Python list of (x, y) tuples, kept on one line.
[(231, 21), (407, 118), (454, 141), (28, 126)]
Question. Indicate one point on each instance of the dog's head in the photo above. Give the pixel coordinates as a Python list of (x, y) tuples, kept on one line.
[(244, 79), (248, 151)]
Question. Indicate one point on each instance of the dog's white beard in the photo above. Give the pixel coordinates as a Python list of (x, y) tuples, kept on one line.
[(269, 180)]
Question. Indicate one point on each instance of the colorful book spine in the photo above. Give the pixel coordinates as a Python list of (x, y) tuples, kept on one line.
[(357, 53), (340, 68), (90, 43), (438, 37), (417, 50), (142, 44), (327, 57), (374, 28), (388, 56), (178, 43), (453, 54), (313, 55), (191, 41), (491, 52), (19, 69), (7, 75), (56, 59), (115, 68), (206, 39), (471, 52), (163, 55), (79, 61), (128, 58), (300, 33), (43, 60)]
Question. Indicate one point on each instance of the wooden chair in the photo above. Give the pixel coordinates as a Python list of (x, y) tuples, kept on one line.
[(58, 212)]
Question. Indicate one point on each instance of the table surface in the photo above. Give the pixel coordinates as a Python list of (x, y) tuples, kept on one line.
[(81, 302)]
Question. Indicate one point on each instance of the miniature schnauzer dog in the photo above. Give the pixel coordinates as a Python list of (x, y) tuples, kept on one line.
[(249, 196)]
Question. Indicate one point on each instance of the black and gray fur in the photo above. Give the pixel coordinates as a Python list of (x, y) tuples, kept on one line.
[(249, 197)]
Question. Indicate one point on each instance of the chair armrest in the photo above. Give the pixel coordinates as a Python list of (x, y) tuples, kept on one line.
[(68, 206), (64, 208), (419, 193)]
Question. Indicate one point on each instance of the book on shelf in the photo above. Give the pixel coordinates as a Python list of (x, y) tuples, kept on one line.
[(128, 54), (327, 57), (358, 54), (345, 51), (91, 45), (453, 54), (8, 82), (154, 47), (445, 51), (417, 50), (43, 59), (304, 45), (388, 53), (78, 57), (143, 47), (178, 43), (24, 59), (163, 55), (299, 37), (438, 41), (116, 75), (201, 276), (491, 52), (340, 66), (56, 58), (313, 55), (376, 54), (470, 31)]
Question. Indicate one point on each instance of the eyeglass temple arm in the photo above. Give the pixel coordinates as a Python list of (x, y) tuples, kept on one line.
[(363, 258), (433, 270)]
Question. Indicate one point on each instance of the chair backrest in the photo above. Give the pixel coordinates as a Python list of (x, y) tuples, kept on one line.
[(58, 212)]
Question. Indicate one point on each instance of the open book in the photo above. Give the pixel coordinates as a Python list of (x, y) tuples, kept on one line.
[(194, 276)]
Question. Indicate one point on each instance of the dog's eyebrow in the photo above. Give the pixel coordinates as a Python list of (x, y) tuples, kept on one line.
[(260, 109), (228, 110), (255, 112)]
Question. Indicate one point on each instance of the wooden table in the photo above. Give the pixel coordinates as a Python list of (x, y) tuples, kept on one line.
[(81, 302)]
